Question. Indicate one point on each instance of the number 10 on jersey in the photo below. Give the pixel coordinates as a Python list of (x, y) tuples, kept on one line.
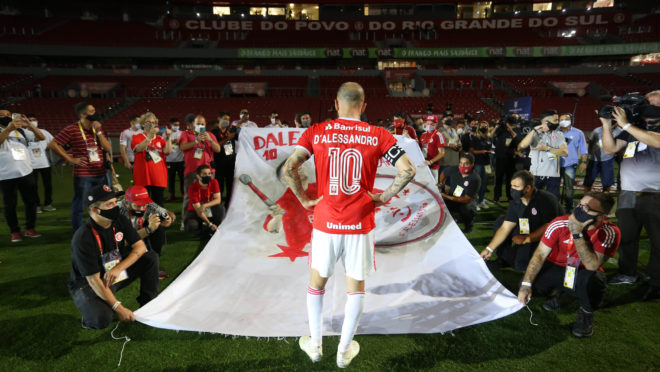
[(345, 170)]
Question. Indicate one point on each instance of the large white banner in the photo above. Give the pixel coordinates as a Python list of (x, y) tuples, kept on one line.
[(251, 278)]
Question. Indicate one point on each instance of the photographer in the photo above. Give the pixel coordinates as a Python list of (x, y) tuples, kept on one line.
[(506, 140), (147, 218), (149, 169), (481, 147), (225, 160), (547, 144), (639, 201)]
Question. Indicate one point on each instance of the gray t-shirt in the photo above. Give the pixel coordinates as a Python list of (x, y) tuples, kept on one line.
[(640, 172), (596, 144), (15, 161), (545, 163)]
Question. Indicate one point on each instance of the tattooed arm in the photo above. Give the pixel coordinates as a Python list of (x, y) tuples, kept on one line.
[(291, 178), (406, 172), (533, 269)]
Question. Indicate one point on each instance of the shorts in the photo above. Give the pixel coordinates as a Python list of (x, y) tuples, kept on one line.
[(355, 250)]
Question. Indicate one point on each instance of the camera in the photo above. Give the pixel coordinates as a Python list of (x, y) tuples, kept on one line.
[(163, 215), (631, 103)]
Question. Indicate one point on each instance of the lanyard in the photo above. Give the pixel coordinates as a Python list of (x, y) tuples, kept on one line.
[(82, 132), (98, 238)]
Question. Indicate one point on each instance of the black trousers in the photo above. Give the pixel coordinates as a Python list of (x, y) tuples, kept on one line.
[(192, 223), (173, 169), (504, 169), (631, 220), (97, 314), (155, 240), (589, 285), (156, 194), (26, 186), (516, 256), (224, 173), (47, 179), (466, 212)]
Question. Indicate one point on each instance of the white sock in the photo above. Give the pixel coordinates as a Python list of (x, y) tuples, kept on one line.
[(314, 313), (352, 312)]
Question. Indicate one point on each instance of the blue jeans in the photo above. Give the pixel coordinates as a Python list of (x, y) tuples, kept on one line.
[(481, 171), (81, 187), (551, 184), (568, 175)]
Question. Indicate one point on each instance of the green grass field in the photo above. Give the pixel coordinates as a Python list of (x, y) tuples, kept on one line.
[(40, 327)]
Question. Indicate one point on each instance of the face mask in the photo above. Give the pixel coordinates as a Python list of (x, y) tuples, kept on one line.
[(34, 123), (148, 127), (581, 215), (95, 117), (199, 128), (244, 115), (111, 214), (516, 194), (138, 213), (273, 120), (306, 123), (483, 130), (398, 123), (565, 123), (430, 128), (449, 122), (465, 170), (460, 131), (138, 126), (552, 126), (5, 120), (206, 180), (224, 123), (175, 128)]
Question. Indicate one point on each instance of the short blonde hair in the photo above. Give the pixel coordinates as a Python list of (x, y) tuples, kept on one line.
[(653, 93)]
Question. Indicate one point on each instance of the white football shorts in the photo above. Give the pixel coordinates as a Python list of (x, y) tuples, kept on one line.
[(355, 250)]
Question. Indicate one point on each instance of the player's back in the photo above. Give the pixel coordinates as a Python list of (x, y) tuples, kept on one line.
[(346, 155)]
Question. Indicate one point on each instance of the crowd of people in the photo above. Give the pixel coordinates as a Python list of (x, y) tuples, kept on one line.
[(558, 244)]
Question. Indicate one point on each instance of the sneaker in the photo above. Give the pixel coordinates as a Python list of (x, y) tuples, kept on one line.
[(31, 233), (467, 229), (552, 303), (345, 358), (314, 352), (583, 327), (16, 237), (49, 208), (478, 207), (488, 202), (182, 228), (483, 205), (652, 294), (39, 210), (623, 279)]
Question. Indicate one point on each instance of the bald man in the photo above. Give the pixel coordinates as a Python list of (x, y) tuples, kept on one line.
[(347, 152)]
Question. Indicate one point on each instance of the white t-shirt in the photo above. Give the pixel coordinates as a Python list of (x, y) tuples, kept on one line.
[(14, 155), (247, 124), (176, 155), (125, 139), (38, 153)]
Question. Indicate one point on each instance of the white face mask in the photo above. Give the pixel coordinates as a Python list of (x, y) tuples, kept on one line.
[(138, 126), (430, 128), (199, 127), (565, 123), (459, 131), (272, 120), (34, 123), (175, 128)]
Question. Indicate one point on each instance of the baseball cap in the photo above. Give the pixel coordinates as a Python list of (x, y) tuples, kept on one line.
[(432, 118), (138, 195), (102, 193)]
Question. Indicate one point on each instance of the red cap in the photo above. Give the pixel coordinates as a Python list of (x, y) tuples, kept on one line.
[(432, 118), (138, 195)]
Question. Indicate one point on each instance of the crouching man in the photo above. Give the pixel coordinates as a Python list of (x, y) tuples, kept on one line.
[(569, 259), (108, 255), (204, 197)]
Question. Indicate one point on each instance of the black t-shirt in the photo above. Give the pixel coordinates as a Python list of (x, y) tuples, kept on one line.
[(222, 157), (86, 259), (543, 208), (469, 184), (502, 136), (478, 143)]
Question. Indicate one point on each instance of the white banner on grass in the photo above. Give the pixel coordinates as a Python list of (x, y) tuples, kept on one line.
[(251, 282)]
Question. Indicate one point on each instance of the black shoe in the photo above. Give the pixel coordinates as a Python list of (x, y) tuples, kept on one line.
[(583, 327), (467, 229), (552, 303), (652, 294), (620, 278)]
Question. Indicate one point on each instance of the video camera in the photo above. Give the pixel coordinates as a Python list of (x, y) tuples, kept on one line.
[(632, 103)]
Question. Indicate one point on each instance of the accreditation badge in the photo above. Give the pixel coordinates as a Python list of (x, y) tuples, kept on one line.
[(523, 223)]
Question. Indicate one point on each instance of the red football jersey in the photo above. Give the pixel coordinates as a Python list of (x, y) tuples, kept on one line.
[(605, 240), (149, 173), (431, 143), (346, 154)]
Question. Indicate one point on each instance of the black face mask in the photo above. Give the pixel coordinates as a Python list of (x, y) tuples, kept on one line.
[(111, 214), (483, 130), (581, 215), (516, 194), (206, 180), (95, 117), (5, 120), (552, 126)]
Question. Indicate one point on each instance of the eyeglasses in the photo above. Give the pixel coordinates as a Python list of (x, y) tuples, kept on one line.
[(151, 122), (586, 208)]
